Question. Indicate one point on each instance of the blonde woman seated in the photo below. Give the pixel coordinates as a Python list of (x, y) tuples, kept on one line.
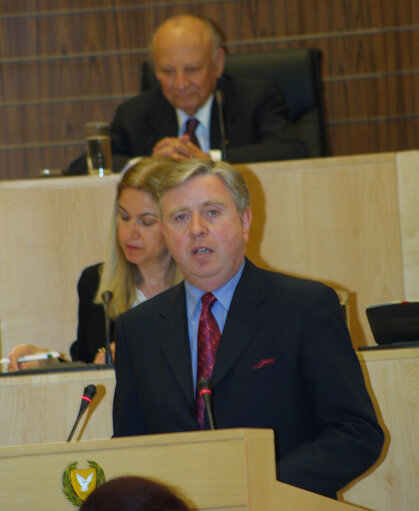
[(138, 266)]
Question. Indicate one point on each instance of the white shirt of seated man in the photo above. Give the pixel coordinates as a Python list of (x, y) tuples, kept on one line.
[(202, 132)]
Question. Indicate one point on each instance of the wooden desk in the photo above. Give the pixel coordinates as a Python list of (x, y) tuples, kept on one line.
[(42, 408), (392, 376), (348, 221), (224, 470)]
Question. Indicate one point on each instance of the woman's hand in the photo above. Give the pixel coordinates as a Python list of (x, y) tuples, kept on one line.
[(100, 355), (22, 351)]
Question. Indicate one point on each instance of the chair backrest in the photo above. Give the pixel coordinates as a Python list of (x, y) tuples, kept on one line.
[(296, 71)]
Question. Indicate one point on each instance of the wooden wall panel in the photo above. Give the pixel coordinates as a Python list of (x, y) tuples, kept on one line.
[(80, 79), (366, 137), (15, 161), (64, 61), (367, 98), (53, 123)]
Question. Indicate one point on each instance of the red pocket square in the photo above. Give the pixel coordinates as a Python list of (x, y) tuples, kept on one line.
[(263, 362)]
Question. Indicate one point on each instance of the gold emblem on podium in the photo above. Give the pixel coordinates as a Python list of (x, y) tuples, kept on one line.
[(79, 484)]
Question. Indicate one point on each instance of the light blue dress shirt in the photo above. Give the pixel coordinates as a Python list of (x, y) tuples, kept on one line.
[(220, 309)]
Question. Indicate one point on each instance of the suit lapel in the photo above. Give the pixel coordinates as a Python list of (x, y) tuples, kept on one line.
[(163, 122), (230, 112), (176, 346), (244, 319), (215, 132)]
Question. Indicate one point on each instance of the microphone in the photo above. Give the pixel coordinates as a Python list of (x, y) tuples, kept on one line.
[(106, 298), (219, 99), (88, 394), (205, 387)]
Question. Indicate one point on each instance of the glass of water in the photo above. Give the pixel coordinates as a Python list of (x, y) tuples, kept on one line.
[(98, 148)]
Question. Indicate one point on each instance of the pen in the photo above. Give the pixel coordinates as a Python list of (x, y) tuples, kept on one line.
[(32, 358)]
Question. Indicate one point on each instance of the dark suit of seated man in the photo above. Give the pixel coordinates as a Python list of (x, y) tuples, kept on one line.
[(283, 355), (189, 61)]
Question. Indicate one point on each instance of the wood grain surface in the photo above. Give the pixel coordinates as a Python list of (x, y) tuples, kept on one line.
[(67, 62)]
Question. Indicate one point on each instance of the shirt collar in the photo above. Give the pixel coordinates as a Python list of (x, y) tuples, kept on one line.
[(203, 115), (224, 294)]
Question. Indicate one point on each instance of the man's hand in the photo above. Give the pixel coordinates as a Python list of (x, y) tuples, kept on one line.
[(178, 149)]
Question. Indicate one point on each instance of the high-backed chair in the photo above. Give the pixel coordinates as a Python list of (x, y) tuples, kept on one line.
[(296, 71)]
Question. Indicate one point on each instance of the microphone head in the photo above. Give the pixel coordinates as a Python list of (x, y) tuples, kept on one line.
[(205, 385), (107, 297), (89, 391)]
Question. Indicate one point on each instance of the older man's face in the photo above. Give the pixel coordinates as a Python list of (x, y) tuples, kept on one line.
[(204, 231), (186, 65)]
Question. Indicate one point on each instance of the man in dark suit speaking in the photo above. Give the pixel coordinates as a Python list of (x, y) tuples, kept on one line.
[(275, 347), (180, 117)]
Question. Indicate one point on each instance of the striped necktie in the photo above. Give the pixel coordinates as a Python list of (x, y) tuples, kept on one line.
[(208, 339), (191, 125)]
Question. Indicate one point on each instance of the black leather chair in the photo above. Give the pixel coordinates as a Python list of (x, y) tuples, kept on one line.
[(296, 71)]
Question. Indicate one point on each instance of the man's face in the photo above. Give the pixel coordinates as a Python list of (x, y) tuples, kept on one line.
[(204, 231), (186, 66)]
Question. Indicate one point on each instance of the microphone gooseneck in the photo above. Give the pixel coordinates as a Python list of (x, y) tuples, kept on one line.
[(205, 387), (106, 298), (219, 100), (88, 394)]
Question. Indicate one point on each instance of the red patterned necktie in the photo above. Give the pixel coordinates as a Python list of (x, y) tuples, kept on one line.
[(208, 339), (191, 125)]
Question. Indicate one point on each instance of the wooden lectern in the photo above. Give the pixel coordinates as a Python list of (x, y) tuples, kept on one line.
[(231, 469)]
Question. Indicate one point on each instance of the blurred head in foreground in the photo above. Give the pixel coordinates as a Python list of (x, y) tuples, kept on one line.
[(133, 493)]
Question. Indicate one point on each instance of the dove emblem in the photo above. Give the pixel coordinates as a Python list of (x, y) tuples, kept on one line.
[(78, 484), (84, 482)]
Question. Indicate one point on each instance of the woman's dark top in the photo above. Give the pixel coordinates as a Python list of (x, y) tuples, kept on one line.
[(91, 331)]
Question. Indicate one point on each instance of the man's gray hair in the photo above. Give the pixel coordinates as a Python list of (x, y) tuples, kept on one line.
[(217, 34), (182, 172)]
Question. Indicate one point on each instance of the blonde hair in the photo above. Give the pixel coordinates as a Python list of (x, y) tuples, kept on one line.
[(117, 274), (190, 168)]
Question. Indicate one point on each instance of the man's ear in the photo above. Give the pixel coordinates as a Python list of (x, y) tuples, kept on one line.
[(246, 223), (220, 61)]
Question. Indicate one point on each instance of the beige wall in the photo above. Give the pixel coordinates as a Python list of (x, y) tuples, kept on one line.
[(49, 231), (349, 221)]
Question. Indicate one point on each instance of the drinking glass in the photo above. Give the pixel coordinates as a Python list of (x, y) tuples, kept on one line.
[(98, 148)]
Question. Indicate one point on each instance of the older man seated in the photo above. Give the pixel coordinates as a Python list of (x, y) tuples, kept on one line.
[(180, 117)]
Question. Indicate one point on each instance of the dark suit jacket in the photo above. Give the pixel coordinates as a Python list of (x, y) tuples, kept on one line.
[(91, 331), (313, 395), (256, 125)]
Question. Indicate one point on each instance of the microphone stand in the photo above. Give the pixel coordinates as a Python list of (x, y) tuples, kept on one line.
[(88, 394), (106, 298), (219, 99), (205, 387)]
